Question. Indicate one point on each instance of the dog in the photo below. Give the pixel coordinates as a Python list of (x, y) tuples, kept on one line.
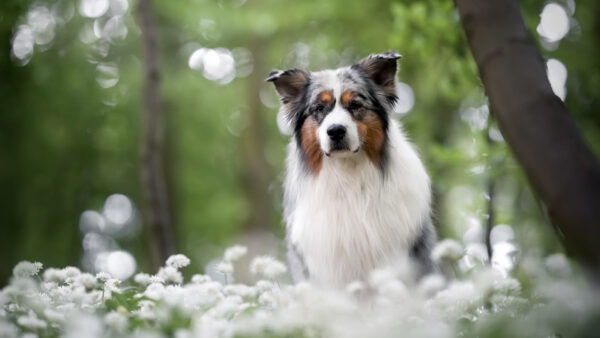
[(356, 195)]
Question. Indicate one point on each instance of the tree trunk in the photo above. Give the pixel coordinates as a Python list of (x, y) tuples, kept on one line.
[(536, 123), (157, 209), (257, 170)]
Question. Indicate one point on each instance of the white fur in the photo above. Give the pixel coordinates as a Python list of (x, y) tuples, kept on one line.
[(349, 219)]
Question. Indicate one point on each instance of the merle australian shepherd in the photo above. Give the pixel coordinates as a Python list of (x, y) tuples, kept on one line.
[(357, 196)]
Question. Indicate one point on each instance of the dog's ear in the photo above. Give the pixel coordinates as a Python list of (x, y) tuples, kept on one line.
[(381, 69), (290, 84)]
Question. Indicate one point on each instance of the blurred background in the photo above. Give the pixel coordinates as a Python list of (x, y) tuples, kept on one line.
[(77, 130)]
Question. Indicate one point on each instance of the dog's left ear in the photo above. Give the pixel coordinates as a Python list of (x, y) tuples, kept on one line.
[(381, 69), (290, 84)]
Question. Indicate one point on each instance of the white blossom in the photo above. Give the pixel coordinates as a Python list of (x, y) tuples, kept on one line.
[(431, 284), (8, 329), (74, 304), (85, 279), (267, 266), (355, 287), (103, 276), (235, 252), (54, 316), (170, 275), (178, 261), (112, 284), (27, 269), (199, 279), (241, 290), (32, 322), (116, 321), (71, 272), (558, 264), (224, 267), (447, 249), (264, 285), (54, 275), (154, 291), (142, 279)]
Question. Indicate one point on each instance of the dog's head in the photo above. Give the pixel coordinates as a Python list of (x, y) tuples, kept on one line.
[(342, 112)]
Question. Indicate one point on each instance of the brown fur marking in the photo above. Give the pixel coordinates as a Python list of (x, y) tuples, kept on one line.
[(370, 129), (347, 97), (326, 97), (310, 144)]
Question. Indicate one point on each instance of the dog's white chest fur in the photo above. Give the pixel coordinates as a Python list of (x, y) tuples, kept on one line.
[(349, 218)]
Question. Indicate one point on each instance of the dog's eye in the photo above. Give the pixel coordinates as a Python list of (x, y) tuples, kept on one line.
[(355, 105), (319, 108)]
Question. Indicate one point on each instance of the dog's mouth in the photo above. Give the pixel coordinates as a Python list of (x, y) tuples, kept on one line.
[(340, 147)]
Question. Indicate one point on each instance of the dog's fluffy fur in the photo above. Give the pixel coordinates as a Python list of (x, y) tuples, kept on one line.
[(357, 196)]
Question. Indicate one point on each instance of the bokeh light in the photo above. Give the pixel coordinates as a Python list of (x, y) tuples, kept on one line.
[(101, 252), (118, 209), (476, 117), (22, 44), (554, 22), (406, 98), (119, 264), (108, 75), (91, 221), (216, 64), (557, 75), (93, 8)]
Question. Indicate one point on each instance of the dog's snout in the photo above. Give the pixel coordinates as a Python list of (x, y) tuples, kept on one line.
[(336, 132)]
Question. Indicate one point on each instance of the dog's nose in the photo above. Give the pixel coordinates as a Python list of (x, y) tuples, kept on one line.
[(336, 132)]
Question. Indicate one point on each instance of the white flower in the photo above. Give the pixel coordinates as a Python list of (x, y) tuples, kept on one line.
[(447, 249), (27, 269), (84, 325), (116, 321), (54, 316), (199, 279), (507, 285), (241, 290), (86, 280), (224, 267), (29, 335), (456, 299), (112, 284), (382, 276), (178, 261), (558, 265), (142, 279), (8, 330), (154, 291), (103, 276), (157, 279), (235, 252), (71, 272), (31, 322), (170, 274), (264, 285), (267, 266), (267, 299), (54, 275), (355, 287), (431, 284)]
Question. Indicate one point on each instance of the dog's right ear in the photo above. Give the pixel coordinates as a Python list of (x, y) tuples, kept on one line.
[(290, 84)]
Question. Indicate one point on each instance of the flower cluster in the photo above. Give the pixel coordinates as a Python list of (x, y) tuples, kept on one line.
[(481, 301)]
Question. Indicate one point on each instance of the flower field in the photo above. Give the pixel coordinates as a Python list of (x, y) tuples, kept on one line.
[(541, 297)]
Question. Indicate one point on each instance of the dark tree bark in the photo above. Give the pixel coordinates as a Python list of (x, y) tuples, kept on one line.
[(157, 208), (257, 175), (535, 123)]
